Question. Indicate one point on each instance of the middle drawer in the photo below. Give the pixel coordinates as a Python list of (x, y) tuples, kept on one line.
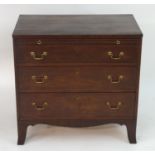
[(77, 79)]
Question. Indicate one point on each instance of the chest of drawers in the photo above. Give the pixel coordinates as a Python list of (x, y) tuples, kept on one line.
[(77, 71)]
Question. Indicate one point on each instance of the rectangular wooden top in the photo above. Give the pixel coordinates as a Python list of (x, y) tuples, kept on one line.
[(76, 25)]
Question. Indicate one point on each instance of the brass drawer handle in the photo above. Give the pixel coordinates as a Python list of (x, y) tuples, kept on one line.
[(38, 42), (114, 107), (115, 58), (41, 57), (118, 42), (39, 80), (40, 107), (117, 81)]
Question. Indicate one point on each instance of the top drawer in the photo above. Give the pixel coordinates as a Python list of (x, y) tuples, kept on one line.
[(73, 40), (46, 51), (76, 40)]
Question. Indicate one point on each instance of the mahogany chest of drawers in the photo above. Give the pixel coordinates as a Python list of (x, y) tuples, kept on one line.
[(77, 70)]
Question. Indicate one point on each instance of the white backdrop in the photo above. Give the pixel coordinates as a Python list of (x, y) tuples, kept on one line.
[(105, 137)]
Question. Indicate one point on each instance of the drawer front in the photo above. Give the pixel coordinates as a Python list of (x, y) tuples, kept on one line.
[(77, 79), (76, 105), (76, 53), (35, 41)]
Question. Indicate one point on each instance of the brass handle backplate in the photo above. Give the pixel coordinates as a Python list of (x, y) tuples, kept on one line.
[(40, 107), (115, 58), (41, 57), (39, 79), (117, 81), (114, 107)]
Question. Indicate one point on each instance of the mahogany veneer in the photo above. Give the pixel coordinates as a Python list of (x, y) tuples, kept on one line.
[(77, 70)]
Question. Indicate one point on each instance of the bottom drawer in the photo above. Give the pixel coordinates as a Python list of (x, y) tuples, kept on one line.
[(44, 106)]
